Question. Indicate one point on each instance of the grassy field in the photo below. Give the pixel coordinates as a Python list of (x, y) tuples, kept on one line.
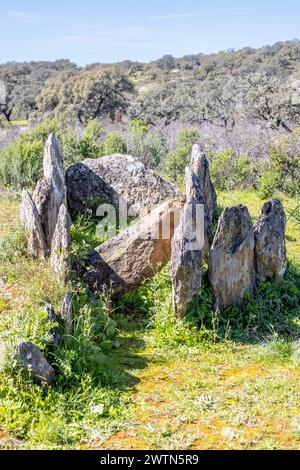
[(161, 383)]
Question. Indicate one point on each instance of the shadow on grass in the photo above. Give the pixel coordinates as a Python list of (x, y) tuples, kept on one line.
[(274, 308)]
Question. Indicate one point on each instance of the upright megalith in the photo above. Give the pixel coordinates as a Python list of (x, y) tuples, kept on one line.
[(231, 266), (200, 166), (30, 218), (61, 243), (190, 241), (50, 192), (270, 248), (45, 215)]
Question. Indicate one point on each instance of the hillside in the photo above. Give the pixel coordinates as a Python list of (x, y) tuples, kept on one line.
[(259, 86)]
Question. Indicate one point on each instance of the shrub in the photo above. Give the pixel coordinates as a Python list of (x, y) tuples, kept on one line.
[(21, 162), (228, 170), (148, 146), (89, 145), (283, 173), (114, 144)]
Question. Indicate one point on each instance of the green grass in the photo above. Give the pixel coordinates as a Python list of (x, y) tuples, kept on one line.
[(133, 377)]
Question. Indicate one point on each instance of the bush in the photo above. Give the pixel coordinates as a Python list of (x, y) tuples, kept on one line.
[(229, 170), (283, 173), (114, 144), (176, 162), (21, 162), (148, 146)]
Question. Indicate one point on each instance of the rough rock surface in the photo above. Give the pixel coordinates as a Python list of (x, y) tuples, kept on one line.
[(231, 258), (61, 242), (269, 233), (31, 220), (199, 165), (113, 178), (52, 317), (200, 212), (186, 265), (51, 192), (125, 261), (3, 351), (30, 357), (66, 314)]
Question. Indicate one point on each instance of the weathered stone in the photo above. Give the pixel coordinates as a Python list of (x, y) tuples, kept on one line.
[(53, 164), (199, 165), (53, 318), (231, 258), (114, 179), (61, 242), (3, 354), (31, 358), (31, 220), (269, 233), (200, 213), (51, 192), (125, 261), (186, 264), (66, 314)]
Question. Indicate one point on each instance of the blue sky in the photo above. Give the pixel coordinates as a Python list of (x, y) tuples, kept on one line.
[(89, 31)]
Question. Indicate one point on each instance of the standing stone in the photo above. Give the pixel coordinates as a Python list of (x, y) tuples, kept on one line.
[(50, 192), (269, 233), (201, 223), (53, 164), (122, 263), (3, 354), (31, 220), (200, 166), (231, 266), (29, 357), (53, 318), (189, 244), (60, 246)]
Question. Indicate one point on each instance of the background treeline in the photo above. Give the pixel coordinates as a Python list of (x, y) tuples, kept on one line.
[(243, 107), (261, 86)]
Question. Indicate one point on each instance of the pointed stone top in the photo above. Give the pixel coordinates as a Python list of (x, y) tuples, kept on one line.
[(193, 187), (234, 226), (200, 166), (199, 163), (53, 162)]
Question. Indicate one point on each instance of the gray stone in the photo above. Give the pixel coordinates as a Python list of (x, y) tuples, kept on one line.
[(53, 318), (67, 314), (3, 354), (125, 261), (31, 220), (186, 265), (31, 358), (200, 211), (60, 246), (269, 233), (51, 192), (231, 258), (53, 164), (200, 166), (116, 179)]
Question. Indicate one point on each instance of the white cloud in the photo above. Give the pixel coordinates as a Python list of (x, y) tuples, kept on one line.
[(26, 17), (220, 11)]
